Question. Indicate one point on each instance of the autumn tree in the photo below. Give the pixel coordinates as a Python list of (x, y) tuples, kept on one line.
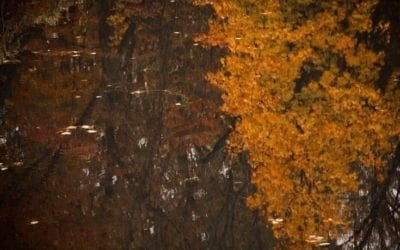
[(303, 88)]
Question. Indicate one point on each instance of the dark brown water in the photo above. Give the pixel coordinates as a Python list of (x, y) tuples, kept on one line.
[(120, 143), (120, 147)]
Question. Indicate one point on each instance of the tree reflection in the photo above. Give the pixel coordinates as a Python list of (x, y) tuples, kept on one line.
[(122, 149), (313, 109), (111, 138)]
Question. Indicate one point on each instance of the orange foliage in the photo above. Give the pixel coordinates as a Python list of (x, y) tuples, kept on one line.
[(302, 140)]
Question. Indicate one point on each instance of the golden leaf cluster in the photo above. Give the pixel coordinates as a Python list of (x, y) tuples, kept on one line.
[(303, 89)]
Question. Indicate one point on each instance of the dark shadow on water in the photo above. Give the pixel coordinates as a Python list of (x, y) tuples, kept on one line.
[(121, 147)]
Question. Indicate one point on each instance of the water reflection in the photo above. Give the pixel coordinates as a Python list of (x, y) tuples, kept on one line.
[(102, 152), (111, 138), (303, 94)]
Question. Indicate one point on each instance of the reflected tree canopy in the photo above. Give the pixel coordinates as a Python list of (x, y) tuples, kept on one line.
[(111, 136), (313, 108)]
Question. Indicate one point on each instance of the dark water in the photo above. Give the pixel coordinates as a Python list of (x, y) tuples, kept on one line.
[(120, 148)]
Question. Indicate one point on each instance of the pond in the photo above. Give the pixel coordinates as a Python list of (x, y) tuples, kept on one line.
[(120, 147), (112, 134)]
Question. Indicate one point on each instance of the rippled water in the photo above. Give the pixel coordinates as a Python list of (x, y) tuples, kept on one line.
[(112, 138), (107, 149)]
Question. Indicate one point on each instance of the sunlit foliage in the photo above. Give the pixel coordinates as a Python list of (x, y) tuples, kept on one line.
[(303, 88)]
